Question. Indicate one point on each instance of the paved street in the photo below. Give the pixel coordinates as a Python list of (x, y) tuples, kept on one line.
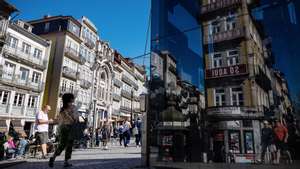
[(115, 158)]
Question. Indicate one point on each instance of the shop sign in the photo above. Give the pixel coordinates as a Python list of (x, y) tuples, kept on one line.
[(226, 71)]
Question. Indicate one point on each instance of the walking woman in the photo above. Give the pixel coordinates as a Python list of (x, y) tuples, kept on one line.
[(67, 118)]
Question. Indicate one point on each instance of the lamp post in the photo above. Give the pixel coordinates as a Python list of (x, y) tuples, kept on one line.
[(131, 112), (94, 123)]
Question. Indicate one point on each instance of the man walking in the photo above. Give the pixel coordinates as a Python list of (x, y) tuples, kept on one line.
[(281, 137), (126, 132), (42, 125), (266, 139)]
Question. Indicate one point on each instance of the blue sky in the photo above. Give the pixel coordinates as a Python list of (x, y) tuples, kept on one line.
[(121, 22)]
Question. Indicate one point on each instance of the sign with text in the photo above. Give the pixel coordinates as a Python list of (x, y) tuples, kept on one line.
[(226, 71)]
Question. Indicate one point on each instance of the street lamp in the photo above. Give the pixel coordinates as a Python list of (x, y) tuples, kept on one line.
[(94, 122)]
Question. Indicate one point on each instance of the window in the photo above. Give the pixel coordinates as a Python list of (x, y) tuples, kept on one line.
[(247, 123), (72, 27), (37, 53), (24, 74), (217, 60), (19, 99), (63, 85), (13, 42), (71, 87), (230, 22), (249, 144), (9, 70), (36, 77), (215, 27), (237, 98), (4, 96), (219, 97), (47, 26), (234, 142), (26, 48), (32, 101), (212, 1), (232, 57)]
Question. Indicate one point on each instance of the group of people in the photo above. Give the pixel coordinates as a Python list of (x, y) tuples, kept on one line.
[(274, 139), (11, 147)]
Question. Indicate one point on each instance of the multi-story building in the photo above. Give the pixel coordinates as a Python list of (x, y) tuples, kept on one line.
[(281, 103), (129, 84), (103, 83), (23, 68), (238, 79), (72, 54), (6, 10)]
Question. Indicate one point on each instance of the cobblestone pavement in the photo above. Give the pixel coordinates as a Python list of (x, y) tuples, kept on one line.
[(115, 158)]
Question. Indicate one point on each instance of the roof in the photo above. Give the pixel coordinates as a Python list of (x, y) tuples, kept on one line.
[(6, 9), (50, 18)]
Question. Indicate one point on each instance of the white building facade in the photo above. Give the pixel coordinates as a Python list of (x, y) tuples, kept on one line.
[(23, 69)]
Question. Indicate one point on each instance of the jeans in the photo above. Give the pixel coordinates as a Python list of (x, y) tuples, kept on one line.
[(22, 147)]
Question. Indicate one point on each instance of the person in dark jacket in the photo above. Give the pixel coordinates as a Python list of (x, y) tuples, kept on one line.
[(267, 139)]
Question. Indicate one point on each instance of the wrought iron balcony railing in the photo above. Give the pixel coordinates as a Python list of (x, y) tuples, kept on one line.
[(17, 81), (70, 73), (19, 55), (225, 36), (126, 94), (218, 5)]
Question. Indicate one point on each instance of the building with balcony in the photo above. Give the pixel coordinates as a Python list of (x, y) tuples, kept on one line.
[(103, 84), (128, 85), (70, 61), (238, 78), (6, 10), (23, 70)]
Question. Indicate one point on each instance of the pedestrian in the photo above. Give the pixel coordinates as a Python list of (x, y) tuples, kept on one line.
[(281, 137), (10, 147), (137, 131), (97, 134), (23, 143), (105, 134), (126, 132), (42, 126), (121, 135), (267, 139), (67, 119)]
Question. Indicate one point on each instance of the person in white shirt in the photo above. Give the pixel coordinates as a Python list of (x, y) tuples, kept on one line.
[(42, 125)]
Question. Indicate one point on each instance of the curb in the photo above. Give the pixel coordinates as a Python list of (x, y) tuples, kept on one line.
[(8, 163)]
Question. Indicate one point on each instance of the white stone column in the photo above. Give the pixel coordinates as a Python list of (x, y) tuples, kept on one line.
[(26, 99)]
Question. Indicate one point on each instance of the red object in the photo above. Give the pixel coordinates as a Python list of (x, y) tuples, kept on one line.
[(280, 132), (226, 71)]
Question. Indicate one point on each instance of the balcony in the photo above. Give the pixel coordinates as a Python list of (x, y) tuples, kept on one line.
[(4, 109), (225, 36), (135, 86), (263, 80), (73, 54), (16, 81), (127, 80), (219, 4), (63, 90), (117, 97), (116, 112), (89, 43), (126, 109), (3, 27), (70, 73), (26, 58), (31, 111), (17, 110), (118, 83), (234, 112), (126, 94), (85, 84)]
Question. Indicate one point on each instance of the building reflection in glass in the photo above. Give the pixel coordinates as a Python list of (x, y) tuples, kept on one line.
[(177, 82)]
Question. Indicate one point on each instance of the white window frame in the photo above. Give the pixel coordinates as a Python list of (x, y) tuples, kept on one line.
[(218, 60), (4, 94), (219, 95), (234, 58), (232, 24), (37, 53), (19, 97), (26, 48), (236, 94), (32, 101)]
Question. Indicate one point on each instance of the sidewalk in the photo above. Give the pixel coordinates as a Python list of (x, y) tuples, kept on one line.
[(8, 163)]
